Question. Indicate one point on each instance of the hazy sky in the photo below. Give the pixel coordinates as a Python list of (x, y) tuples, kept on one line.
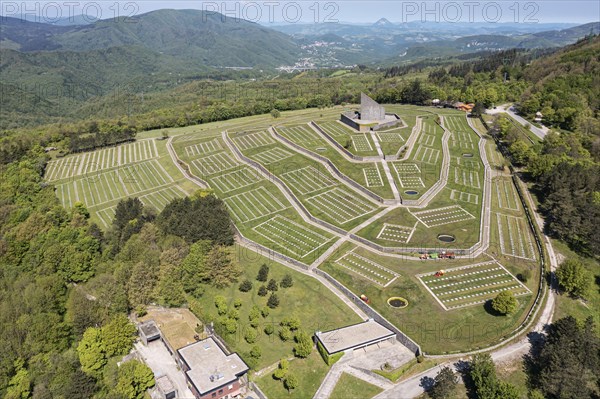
[(543, 11)]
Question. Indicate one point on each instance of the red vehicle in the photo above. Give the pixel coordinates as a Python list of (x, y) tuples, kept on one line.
[(447, 255), (364, 298)]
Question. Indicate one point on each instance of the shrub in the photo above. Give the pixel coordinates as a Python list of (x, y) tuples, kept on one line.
[(285, 334), (287, 281), (234, 314), (250, 335), (272, 286), (246, 285), (263, 273), (255, 352), (269, 329), (265, 311), (237, 304), (262, 291), (303, 347), (292, 322), (273, 301)]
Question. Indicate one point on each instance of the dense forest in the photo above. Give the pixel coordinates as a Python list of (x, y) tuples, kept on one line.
[(66, 287)]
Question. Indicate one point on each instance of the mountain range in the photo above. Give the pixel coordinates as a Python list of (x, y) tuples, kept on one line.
[(48, 70)]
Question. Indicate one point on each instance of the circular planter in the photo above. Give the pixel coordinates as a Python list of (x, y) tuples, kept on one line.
[(397, 302), (446, 238)]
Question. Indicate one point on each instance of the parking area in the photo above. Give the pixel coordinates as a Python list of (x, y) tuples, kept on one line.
[(158, 358)]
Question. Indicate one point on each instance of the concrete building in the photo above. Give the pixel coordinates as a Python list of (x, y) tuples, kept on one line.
[(148, 331), (210, 372), (371, 116), (166, 388), (354, 337)]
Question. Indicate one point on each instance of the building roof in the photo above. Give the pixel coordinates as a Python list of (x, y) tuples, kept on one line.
[(209, 366), (149, 328), (165, 385), (353, 336)]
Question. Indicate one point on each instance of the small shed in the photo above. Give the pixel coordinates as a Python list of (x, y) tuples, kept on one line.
[(148, 331), (166, 388)]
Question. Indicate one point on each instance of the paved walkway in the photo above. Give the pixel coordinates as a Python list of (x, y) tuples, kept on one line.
[(158, 358), (386, 167)]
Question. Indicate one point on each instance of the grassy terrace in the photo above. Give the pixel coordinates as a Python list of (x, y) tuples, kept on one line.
[(422, 168), (261, 211), (438, 331), (456, 210), (324, 196), (310, 140), (101, 178)]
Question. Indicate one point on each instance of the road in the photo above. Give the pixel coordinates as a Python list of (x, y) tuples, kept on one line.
[(508, 109)]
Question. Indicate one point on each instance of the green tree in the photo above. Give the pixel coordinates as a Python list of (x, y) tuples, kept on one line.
[(285, 334), (251, 335), (290, 382), (221, 268), (269, 329), (118, 336), (263, 273), (282, 369), (80, 208), (262, 291), (273, 301), (444, 384), (287, 281), (255, 352), (272, 286), (275, 113), (304, 344), (246, 286), (134, 379), (194, 268), (573, 277), (505, 302), (92, 352), (19, 386), (292, 322)]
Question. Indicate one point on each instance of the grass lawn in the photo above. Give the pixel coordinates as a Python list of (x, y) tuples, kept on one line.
[(310, 373), (350, 387), (436, 330), (307, 299)]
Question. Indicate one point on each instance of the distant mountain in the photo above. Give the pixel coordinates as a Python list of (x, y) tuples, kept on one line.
[(383, 22), (186, 34)]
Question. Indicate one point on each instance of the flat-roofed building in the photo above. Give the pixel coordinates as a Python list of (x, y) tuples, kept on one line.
[(353, 337), (210, 372), (148, 331), (166, 388)]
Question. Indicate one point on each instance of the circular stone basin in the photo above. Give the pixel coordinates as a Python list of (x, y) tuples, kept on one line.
[(411, 192), (321, 149), (468, 155), (397, 302), (446, 238)]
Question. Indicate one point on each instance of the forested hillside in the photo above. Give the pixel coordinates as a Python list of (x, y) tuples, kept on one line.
[(66, 287)]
